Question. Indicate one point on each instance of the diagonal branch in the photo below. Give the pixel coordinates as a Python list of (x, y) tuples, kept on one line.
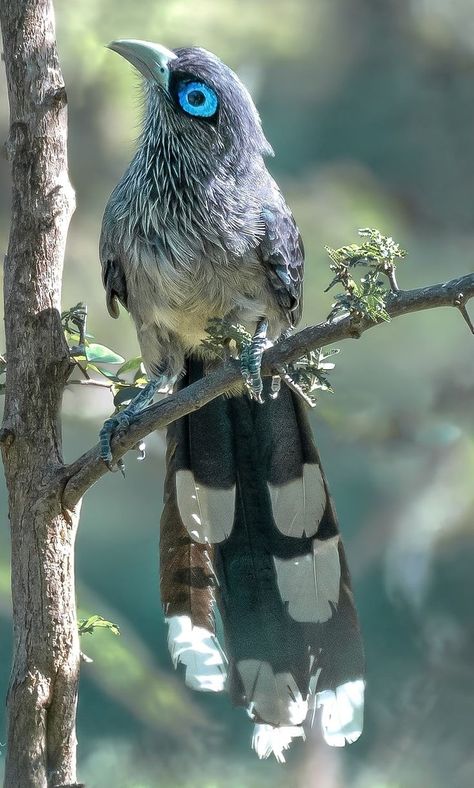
[(86, 470)]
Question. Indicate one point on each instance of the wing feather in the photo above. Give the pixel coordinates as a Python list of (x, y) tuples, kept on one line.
[(282, 252)]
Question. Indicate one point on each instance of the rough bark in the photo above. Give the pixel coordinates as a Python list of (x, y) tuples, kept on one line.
[(43, 687)]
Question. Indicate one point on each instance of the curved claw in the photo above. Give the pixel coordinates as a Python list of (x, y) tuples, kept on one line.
[(141, 449), (122, 420), (118, 466)]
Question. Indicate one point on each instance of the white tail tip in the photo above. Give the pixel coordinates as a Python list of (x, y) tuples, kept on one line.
[(342, 716), (267, 740), (199, 651)]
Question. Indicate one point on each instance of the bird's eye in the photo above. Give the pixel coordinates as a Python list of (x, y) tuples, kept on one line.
[(198, 99)]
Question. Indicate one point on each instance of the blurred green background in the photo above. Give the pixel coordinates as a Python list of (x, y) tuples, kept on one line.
[(370, 108)]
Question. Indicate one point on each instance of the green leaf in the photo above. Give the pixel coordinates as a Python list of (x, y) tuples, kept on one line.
[(308, 372), (86, 626), (130, 365), (102, 355), (74, 337), (125, 394), (367, 297), (221, 332), (140, 380), (107, 373)]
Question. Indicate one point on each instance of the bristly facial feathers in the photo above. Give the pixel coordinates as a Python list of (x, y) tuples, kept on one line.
[(200, 172)]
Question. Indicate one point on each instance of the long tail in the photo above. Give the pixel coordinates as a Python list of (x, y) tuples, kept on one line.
[(248, 511), (187, 578)]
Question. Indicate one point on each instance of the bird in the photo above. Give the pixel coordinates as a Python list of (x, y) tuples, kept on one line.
[(195, 231)]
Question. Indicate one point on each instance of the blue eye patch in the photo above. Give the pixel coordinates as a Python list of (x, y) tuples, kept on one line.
[(198, 99)]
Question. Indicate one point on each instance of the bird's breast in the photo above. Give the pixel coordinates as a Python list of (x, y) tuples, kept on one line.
[(183, 296)]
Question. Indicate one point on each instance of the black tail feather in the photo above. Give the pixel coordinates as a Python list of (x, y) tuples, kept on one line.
[(254, 487)]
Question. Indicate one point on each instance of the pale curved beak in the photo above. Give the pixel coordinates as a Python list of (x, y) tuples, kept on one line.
[(151, 60)]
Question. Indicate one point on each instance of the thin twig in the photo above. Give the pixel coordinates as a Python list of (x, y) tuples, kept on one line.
[(294, 386), (82, 369), (460, 302), (90, 382)]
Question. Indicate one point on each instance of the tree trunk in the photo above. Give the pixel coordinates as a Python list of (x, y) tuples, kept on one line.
[(43, 687)]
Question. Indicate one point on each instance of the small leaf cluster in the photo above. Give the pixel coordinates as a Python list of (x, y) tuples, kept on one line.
[(89, 356), (86, 626), (365, 298), (84, 353), (124, 390), (309, 372), (226, 334)]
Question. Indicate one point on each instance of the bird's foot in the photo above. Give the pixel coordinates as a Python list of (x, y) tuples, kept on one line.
[(251, 361), (119, 422)]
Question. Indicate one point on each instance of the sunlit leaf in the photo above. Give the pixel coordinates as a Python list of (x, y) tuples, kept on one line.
[(140, 377), (88, 625), (130, 365), (107, 373), (102, 354), (140, 380)]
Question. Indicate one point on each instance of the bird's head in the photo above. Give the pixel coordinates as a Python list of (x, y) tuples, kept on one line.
[(197, 98)]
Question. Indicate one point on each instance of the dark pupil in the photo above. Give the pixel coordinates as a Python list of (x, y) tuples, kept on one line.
[(196, 98)]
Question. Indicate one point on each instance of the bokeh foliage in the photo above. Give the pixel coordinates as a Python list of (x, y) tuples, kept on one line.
[(369, 108)]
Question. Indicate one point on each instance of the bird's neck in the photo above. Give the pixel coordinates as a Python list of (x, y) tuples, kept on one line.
[(174, 187)]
